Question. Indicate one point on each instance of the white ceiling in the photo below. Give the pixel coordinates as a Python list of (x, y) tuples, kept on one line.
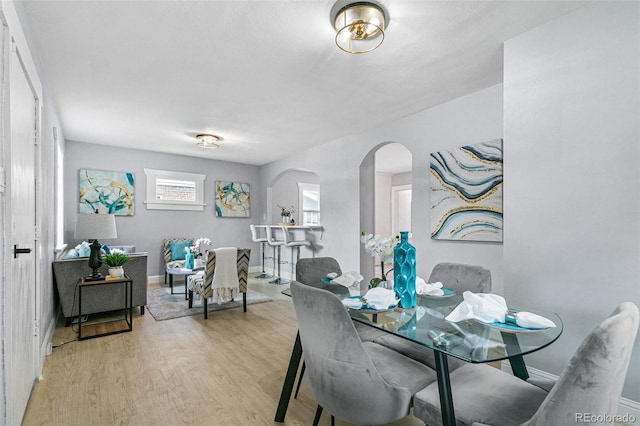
[(265, 75)]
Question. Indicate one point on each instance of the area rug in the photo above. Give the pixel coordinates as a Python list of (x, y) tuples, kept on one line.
[(163, 305)]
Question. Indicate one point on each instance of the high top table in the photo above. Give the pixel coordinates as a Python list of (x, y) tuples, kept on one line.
[(471, 341)]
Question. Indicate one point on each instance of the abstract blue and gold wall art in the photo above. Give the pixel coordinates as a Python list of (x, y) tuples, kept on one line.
[(232, 199), (107, 192), (466, 193)]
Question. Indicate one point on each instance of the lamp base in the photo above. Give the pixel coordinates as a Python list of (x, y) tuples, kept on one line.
[(95, 276), (95, 262)]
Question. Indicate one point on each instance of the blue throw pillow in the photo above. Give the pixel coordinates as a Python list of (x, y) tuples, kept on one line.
[(177, 249)]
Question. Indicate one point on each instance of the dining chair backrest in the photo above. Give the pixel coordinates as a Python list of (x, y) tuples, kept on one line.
[(462, 277), (314, 269), (340, 372), (593, 380)]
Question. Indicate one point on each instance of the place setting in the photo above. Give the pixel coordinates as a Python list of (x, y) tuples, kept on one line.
[(492, 310)]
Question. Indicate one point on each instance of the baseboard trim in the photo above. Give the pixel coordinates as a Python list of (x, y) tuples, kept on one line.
[(626, 407)]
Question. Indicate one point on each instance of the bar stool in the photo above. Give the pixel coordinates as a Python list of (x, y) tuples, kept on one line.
[(276, 244), (293, 244), (262, 240)]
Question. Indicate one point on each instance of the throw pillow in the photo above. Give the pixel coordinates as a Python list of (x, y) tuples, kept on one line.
[(177, 249)]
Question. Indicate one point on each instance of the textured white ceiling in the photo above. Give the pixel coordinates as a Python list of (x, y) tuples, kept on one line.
[(264, 75)]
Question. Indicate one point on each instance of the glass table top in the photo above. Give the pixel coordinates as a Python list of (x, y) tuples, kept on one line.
[(469, 340)]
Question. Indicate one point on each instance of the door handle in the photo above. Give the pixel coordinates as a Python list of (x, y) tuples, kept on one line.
[(17, 251)]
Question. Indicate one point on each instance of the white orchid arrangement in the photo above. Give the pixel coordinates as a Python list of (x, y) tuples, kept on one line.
[(197, 246), (382, 247)]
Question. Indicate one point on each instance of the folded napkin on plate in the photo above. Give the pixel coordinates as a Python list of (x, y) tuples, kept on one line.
[(347, 279), (432, 289), (380, 298), (352, 302), (490, 308)]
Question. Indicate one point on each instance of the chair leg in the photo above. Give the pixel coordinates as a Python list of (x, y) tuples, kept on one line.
[(190, 299), (333, 420), (316, 419), (206, 308), (165, 277), (244, 301), (300, 379)]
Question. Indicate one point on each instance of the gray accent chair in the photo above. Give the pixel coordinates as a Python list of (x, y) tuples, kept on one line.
[(202, 284), (461, 278), (359, 382), (67, 273), (591, 383), (166, 255)]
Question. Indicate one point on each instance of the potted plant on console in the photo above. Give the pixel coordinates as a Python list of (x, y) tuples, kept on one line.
[(115, 260)]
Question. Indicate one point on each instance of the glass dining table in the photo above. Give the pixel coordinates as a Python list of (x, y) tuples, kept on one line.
[(469, 340)]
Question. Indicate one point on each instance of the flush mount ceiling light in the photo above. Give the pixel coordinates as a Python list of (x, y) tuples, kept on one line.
[(359, 27), (208, 141)]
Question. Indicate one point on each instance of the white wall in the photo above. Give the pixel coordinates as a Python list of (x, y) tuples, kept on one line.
[(471, 119), (572, 149), (147, 228)]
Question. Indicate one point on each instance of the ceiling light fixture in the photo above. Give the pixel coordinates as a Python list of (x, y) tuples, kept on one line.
[(208, 141), (360, 27)]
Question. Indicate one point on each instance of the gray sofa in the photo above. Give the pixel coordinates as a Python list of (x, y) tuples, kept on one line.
[(67, 273)]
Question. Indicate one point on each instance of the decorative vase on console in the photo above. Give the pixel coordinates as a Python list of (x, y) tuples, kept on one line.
[(189, 260), (404, 272)]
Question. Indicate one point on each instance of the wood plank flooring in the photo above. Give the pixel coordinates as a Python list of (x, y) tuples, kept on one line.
[(227, 370)]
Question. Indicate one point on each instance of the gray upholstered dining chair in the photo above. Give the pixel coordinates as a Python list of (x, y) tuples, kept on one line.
[(311, 271), (457, 276), (359, 382), (462, 277), (591, 383)]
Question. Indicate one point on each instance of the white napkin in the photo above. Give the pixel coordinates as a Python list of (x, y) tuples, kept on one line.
[(380, 298), (434, 289), (488, 308), (353, 303), (332, 275), (348, 279)]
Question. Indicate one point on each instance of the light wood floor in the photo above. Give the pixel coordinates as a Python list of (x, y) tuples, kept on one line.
[(227, 370)]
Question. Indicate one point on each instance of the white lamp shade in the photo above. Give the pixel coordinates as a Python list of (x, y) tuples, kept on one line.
[(96, 227)]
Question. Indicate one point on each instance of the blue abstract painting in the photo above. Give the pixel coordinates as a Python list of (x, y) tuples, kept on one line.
[(466, 193), (106, 192)]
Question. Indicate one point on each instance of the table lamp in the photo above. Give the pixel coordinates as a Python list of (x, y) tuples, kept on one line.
[(95, 227)]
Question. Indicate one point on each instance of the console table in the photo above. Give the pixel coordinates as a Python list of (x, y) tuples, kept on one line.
[(106, 328)]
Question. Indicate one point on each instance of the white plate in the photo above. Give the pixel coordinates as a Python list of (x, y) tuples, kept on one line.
[(511, 328), (448, 292)]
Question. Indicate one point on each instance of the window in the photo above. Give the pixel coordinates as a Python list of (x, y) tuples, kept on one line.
[(168, 190), (309, 202)]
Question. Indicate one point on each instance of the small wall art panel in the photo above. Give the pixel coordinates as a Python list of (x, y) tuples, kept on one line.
[(466, 193), (232, 199), (107, 192)]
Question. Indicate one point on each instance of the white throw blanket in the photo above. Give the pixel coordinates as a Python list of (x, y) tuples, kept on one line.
[(225, 283)]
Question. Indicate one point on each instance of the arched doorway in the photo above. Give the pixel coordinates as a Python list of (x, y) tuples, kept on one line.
[(385, 197)]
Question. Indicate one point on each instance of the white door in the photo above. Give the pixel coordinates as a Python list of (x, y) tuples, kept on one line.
[(401, 208), (21, 342)]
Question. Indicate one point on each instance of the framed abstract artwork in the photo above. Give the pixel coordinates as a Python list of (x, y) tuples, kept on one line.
[(466, 193), (106, 192), (232, 199)]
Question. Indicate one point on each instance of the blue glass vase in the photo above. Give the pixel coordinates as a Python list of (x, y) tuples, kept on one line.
[(404, 272), (189, 260)]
